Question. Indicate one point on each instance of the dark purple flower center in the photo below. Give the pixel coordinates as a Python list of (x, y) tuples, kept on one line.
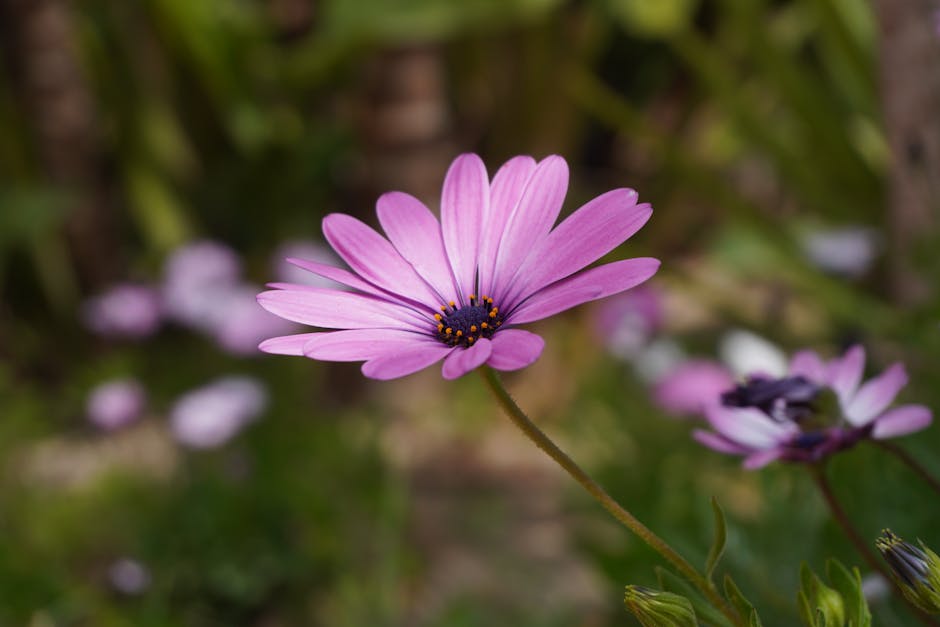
[(906, 560), (463, 325), (788, 399)]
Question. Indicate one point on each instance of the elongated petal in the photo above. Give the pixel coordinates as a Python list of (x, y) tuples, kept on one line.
[(875, 396), (588, 285), (505, 192), (718, 442), (584, 237), (463, 204), (531, 221), (286, 344), (463, 360), (416, 234), (749, 427), (806, 363), (762, 458), (514, 349), (362, 344), (901, 421), (334, 309), (336, 274), (404, 362), (374, 258), (846, 373)]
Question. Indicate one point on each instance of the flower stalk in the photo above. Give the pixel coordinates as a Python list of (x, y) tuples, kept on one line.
[(521, 420)]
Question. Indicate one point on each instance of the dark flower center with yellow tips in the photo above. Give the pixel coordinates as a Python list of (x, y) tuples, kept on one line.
[(463, 325)]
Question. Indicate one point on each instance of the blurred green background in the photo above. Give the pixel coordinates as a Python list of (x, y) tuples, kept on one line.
[(762, 131)]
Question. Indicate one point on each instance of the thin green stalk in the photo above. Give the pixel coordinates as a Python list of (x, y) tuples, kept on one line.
[(911, 463), (838, 513), (600, 495)]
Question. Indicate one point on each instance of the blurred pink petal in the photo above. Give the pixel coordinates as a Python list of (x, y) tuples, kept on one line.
[(692, 387)]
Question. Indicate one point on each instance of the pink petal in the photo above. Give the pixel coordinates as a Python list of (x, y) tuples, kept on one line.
[(505, 193), (334, 309), (583, 287), (361, 344), (762, 458), (692, 386), (901, 421), (514, 349), (400, 363), (584, 237), (719, 443), (374, 258), (846, 373), (749, 427), (808, 364), (287, 344), (531, 221), (463, 360), (464, 201), (416, 234), (336, 274), (875, 396)]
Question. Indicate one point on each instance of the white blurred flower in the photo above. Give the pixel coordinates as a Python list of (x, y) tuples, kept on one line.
[(194, 277), (746, 353), (209, 416), (115, 403), (847, 251)]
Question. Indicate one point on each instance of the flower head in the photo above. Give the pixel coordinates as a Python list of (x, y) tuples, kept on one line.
[(813, 411), (116, 403), (916, 570), (457, 289), (209, 416), (126, 310)]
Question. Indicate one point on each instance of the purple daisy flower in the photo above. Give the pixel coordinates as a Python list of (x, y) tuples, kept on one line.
[(815, 410), (457, 289)]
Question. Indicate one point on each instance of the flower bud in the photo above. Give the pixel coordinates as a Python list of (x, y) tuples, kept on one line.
[(916, 570), (654, 608)]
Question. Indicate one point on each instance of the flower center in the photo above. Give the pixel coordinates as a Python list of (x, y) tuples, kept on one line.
[(788, 399), (462, 326)]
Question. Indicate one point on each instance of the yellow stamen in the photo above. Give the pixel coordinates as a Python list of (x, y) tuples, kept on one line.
[(473, 296), (438, 317), (440, 327), (470, 339), (443, 307), (473, 328), (448, 331), (452, 303), (459, 333), (493, 313), (483, 325)]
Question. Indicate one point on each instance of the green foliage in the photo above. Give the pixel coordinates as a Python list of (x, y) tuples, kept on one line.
[(843, 604)]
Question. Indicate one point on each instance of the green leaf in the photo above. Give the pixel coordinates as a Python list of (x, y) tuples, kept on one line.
[(706, 612), (740, 602), (849, 585), (718, 543), (820, 605)]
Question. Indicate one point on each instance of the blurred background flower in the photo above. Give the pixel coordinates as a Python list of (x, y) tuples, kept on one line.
[(157, 157)]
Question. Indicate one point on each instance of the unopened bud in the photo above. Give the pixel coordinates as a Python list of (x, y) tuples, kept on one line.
[(654, 608), (915, 569)]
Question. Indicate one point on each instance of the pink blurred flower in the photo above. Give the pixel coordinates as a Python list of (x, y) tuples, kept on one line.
[(692, 386), (818, 409), (129, 576), (456, 290), (241, 323), (115, 403), (126, 310), (194, 276), (209, 416), (846, 251), (626, 322)]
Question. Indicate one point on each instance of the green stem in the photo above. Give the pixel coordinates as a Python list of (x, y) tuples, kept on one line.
[(600, 495), (911, 463), (822, 482)]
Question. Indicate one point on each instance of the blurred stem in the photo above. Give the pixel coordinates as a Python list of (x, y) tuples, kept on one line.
[(911, 463), (822, 482), (600, 495)]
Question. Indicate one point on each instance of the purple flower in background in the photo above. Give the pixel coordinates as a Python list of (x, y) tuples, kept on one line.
[(456, 290), (211, 415), (116, 403), (129, 576), (126, 310), (847, 251), (817, 409), (627, 321), (692, 386), (194, 277), (240, 323)]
